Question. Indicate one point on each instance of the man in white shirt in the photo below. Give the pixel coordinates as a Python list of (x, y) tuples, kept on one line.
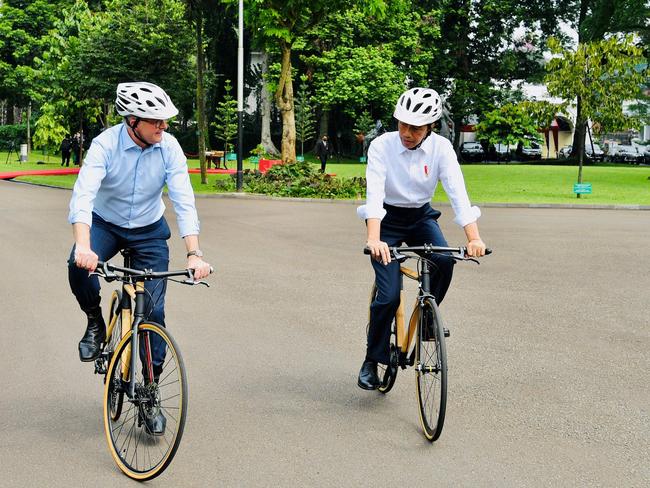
[(404, 168)]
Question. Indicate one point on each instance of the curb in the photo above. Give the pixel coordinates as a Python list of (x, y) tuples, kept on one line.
[(588, 206)]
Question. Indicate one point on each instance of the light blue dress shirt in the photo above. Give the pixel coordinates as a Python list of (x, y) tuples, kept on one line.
[(123, 183)]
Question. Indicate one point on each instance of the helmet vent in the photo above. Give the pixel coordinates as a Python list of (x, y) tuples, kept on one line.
[(417, 107)]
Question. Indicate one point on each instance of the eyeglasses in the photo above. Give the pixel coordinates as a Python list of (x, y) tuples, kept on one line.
[(156, 123)]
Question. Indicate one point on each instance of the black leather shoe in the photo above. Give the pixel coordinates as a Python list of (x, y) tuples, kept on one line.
[(90, 345), (368, 379), (155, 425)]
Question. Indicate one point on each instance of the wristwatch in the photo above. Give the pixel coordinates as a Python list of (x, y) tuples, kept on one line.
[(197, 252)]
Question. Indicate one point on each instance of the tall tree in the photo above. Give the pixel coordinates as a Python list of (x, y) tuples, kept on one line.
[(594, 20), (305, 120), (601, 75), (281, 23)]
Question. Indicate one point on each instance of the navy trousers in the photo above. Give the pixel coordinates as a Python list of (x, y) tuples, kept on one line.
[(150, 250), (415, 227)]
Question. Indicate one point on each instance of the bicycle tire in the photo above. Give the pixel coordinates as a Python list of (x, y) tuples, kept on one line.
[(139, 454), (388, 373), (117, 398), (431, 370)]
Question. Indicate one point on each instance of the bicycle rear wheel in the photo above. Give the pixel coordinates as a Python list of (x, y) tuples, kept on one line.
[(431, 370), (138, 452)]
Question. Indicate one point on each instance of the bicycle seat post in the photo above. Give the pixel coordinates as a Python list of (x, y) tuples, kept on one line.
[(127, 253)]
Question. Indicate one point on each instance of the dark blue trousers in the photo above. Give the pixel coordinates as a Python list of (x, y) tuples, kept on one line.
[(415, 227), (150, 250)]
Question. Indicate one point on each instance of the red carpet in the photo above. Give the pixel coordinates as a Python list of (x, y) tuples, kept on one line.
[(7, 175)]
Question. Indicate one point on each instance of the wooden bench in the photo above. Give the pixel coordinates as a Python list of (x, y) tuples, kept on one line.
[(216, 158)]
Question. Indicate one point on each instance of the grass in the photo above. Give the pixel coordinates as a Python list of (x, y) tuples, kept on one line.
[(486, 183)]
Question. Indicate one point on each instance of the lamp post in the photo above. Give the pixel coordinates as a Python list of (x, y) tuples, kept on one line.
[(240, 97)]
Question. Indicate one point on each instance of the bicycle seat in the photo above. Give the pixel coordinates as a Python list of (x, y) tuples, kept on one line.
[(410, 273), (126, 252)]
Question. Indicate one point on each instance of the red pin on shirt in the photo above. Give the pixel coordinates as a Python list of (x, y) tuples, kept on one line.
[(426, 170)]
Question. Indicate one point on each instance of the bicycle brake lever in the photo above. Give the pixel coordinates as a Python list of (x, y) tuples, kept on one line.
[(192, 282), (397, 256)]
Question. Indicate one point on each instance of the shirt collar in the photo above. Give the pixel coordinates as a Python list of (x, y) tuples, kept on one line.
[(427, 146), (128, 142)]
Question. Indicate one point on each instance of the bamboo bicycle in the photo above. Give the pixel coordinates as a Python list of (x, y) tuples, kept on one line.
[(136, 390), (422, 343)]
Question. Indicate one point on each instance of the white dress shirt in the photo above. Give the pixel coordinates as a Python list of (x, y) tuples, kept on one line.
[(123, 183), (408, 178)]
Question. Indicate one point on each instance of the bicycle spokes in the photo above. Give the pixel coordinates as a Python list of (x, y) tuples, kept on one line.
[(145, 435)]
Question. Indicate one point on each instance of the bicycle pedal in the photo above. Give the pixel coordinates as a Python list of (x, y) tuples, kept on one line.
[(445, 332)]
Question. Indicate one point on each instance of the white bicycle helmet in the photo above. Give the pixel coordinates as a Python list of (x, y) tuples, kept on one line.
[(418, 106), (144, 100)]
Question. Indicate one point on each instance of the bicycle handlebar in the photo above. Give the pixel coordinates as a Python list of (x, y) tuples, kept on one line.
[(428, 249), (107, 270)]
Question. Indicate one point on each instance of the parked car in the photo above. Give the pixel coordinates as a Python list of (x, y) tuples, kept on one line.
[(646, 155), (532, 151), (596, 155), (623, 153), (472, 151), (565, 152), (500, 152)]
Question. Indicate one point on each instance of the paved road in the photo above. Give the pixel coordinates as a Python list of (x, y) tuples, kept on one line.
[(548, 355)]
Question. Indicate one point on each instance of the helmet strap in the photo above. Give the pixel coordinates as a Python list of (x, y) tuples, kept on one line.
[(423, 139), (135, 132)]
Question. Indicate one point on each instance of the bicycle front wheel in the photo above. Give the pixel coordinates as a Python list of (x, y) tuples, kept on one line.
[(145, 438), (431, 370), (115, 318)]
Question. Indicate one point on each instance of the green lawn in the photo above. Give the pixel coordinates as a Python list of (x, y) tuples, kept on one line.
[(486, 183)]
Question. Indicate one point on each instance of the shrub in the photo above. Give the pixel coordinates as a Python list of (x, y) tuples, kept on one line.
[(16, 134), (297, 180)]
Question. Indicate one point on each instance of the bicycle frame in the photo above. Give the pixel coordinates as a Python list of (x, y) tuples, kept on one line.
[(405, 335)]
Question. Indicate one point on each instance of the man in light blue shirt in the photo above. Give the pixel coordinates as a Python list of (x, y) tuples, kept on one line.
[(117, 204)]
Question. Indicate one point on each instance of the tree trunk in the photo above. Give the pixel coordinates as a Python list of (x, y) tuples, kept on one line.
[(284, 101), (266, 141), (200, 97)]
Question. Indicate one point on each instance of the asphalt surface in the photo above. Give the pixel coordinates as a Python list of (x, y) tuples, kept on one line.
[(548, 354)]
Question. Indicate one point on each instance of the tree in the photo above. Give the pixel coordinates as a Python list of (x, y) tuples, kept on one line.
[(594, 20), (91, 52), (480, 58), (360, 63), (601, 75), (305, 120), (510, 124), (281, 23), (226, 118)]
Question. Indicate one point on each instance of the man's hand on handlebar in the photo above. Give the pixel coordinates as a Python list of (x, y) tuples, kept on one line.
[(379, 250), (475, 248), (200, 267), (85, 258)]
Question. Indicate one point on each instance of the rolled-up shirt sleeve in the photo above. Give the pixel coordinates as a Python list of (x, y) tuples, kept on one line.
[(180, 191), (375, 186), (90, 177), (453, 182)]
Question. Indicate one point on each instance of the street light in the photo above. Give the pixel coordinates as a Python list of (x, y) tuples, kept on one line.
[(240, 97)]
